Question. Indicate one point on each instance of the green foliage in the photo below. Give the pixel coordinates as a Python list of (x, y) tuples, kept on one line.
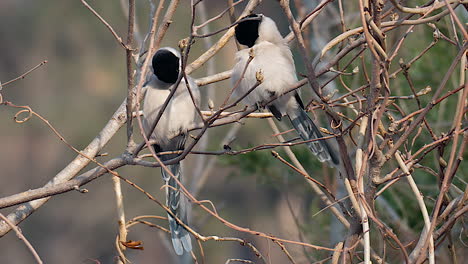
[(268, 170), (260, 164)]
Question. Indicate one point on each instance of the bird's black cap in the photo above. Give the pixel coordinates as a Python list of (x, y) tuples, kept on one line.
[(166, 66), (247, 31)]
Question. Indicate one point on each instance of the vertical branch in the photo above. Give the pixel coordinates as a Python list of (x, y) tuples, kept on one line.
[(155, 41), (347, 169), (210, 94), (302, 47), (360, 176), (312, 79), (130, 73), (371, 18), (120, 216), (452, 164), (143, 64), (370, 13), (129, 107), (427, 222)]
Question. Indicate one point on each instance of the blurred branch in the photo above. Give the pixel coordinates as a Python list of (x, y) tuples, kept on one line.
[(420, 10), (201, 161), (164, 26)]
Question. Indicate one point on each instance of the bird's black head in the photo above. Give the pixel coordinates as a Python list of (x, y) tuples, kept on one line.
[(247, 31), (166, 66)]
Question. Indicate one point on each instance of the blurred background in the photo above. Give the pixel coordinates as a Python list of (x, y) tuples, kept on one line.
[(83, 83)]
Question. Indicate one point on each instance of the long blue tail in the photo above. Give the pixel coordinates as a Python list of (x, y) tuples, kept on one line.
[(306, 128), (177, 204)]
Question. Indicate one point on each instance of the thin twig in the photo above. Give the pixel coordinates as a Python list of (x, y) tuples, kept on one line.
[(22, 76), (20, 235), (422, 206), (116, 36)]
